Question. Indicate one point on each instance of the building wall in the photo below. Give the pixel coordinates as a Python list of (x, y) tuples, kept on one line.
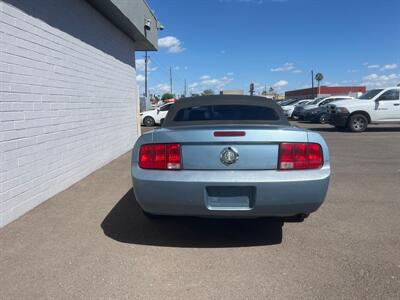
[(68, 98), (324, 91)]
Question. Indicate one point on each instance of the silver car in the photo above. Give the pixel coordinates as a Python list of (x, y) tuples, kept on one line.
[(229, 156)]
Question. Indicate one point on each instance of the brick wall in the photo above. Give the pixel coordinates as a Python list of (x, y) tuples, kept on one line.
[(68, 98)]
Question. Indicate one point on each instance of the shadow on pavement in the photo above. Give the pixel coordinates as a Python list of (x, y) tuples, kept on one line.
[(126, 223)]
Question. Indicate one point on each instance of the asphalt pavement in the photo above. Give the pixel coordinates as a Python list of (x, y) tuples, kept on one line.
[(92, 241)]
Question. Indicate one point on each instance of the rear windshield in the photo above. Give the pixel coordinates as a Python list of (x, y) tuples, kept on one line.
[(226, 113)]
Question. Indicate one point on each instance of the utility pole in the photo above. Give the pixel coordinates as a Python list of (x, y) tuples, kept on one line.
[(185, 89), (170, 79), (145, 73), (312, 83)]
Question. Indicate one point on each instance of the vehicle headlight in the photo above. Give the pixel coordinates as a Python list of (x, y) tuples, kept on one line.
[(341, 110)]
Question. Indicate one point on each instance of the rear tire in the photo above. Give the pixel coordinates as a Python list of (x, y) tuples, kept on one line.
[(149, 122), (297, 218), (357, 123), (301, 217)]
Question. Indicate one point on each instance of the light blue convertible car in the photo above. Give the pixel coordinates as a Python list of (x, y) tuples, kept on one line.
[(229, 156)]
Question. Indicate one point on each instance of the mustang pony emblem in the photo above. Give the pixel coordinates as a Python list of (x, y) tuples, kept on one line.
[(229, 156)]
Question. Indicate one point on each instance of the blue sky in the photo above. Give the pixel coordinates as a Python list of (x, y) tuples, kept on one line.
[(226, 44)]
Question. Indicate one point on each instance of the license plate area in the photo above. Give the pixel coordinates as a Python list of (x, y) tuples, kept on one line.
[(230, 197)]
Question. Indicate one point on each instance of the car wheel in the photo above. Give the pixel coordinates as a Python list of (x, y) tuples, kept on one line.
[(149, 122), (323, 119), (357, 123)]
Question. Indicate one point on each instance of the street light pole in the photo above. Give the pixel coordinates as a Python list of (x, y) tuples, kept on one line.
[(145, 73), (312, 83)]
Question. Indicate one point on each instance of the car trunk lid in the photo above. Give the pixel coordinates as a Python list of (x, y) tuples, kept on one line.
[(250, 147)]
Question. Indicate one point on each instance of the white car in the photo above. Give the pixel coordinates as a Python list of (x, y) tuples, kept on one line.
[(156, 116), (288, 109), (374, 106)]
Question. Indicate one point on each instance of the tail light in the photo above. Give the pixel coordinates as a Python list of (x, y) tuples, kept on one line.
[(300, 156), (160, 156)]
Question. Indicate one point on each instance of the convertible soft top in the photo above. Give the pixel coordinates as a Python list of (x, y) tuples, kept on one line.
[(225, 109)]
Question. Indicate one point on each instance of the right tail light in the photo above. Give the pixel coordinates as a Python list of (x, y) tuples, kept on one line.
[(300, 156)]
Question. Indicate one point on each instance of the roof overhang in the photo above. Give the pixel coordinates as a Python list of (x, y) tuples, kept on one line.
[(130, 17)]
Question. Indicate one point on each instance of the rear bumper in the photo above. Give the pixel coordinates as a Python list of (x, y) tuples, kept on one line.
[(274, 193), (338, 119)]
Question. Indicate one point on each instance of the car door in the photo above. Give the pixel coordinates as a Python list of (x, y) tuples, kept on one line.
[(387, 106)]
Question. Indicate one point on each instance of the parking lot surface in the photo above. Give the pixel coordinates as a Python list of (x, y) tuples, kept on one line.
[(92, 241)]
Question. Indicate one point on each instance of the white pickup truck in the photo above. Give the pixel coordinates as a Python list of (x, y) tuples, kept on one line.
[(373, 107)]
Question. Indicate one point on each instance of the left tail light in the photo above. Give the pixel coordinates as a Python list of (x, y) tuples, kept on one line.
[(160, 156)]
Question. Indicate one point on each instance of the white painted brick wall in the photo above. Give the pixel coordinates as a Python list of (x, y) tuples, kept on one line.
[(68, 98)]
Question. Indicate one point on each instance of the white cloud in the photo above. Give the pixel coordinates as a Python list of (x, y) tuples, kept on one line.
[(297, 71), (193, 85), (140, 64), (389, 67), (365, 64), (205, 77), (352, 71), (280, 84), (373, 66), (284, 68), (375, 80), (208, 82), (230, 73), (160, 89), (173, 44), (140, 78)]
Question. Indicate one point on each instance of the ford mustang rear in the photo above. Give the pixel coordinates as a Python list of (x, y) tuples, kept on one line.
[(229, 156)]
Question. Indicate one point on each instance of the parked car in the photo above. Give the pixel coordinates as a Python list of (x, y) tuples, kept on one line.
[(289, 109), (229, 156), (155, 116), (299, 112), (374, 106), (286, 102), (317, 115)]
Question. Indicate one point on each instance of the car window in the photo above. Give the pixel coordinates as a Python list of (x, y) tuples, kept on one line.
[(390, 95), (165, 107), (370, 94), (226, 113), (325, 102)]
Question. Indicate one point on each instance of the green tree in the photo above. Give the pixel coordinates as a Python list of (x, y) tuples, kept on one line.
[(167, 96), (195, 95), (208, 92)]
